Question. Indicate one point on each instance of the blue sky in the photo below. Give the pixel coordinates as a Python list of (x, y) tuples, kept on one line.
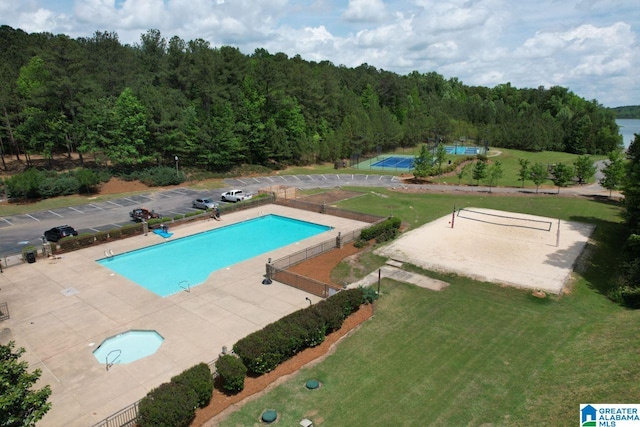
[(591, 47)]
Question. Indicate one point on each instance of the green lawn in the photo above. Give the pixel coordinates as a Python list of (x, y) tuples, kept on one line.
[(475, 353), (510, 165)]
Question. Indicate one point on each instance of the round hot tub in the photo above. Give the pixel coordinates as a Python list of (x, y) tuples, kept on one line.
[(128, 347)]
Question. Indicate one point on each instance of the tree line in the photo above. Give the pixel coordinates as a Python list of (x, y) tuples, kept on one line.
[(216, 108)]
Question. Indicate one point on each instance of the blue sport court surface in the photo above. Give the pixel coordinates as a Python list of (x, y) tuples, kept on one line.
[(175, 265), (395, 162)]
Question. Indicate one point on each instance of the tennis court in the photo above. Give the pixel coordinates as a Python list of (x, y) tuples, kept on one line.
[(501, 247), (395, 162)]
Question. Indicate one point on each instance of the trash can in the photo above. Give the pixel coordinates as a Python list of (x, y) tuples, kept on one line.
[(31, 257)]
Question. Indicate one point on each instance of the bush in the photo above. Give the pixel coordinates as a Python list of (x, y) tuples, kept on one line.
[(169, 405), (115, 233), (160, 176), (369, 295), (101, 236), (360, 243), (24, 185), (392, 223), (85, 239), (331, 315), (200, 380), (131, 229), (232, 372), (69, 243), (87, 179)]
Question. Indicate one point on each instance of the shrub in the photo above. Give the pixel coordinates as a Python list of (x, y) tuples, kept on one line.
[(169, 405), (200, 380), (24, 185), (131, 229), (369, 295), (85, 239), (87, 179), (348, 300), (380, 228), (331, 314), (101, 236), (160, 176), (360, 243), (69, 243), (232, 372), (178, 217), (115, 233)]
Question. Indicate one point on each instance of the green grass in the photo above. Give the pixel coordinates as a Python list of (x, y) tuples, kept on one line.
[(509, 160), (475, 353)]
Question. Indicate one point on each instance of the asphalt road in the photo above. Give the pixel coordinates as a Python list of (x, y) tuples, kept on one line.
[(18, 231)]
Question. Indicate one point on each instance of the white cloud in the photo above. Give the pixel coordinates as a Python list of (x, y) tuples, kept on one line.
[(365, 11)]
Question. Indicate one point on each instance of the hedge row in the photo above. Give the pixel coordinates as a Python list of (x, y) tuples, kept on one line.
[(84, 240), (263, 350), (388, 226), (173, 404)]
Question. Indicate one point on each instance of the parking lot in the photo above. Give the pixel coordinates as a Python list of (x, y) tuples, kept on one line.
[(19, 231)]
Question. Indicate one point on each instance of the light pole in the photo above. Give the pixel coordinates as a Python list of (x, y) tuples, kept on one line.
[(176, 159)]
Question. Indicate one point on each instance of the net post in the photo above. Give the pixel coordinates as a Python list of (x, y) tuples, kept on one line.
[(453, 216), (558, 234)]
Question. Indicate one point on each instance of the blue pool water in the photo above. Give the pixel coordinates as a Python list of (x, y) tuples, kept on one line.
[(170, 267), (128, 347)]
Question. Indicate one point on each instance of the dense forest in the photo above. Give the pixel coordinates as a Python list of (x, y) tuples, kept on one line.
[(217, 108), (627, 112)]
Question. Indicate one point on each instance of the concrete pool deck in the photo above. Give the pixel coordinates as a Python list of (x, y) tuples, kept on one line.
[(62, 309)]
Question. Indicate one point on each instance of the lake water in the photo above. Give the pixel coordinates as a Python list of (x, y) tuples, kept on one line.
[(628, 127)]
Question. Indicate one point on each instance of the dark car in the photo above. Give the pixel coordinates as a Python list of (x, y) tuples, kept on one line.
[(142, 214), (57, 233)]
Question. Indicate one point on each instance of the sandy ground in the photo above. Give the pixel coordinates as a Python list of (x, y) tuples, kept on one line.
[(530, 253)]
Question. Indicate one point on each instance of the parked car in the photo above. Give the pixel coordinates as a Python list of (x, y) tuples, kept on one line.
[(204, 204), (235, 196), (140, 214), (57, 233)]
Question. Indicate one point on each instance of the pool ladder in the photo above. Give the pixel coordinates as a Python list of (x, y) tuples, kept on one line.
[(186, 288), (109, 253), (114, 359)]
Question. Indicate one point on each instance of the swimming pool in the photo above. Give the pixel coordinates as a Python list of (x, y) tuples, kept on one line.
[(175, 265)]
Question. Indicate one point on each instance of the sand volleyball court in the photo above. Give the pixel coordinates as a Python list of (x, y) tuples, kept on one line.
[(501, 247)]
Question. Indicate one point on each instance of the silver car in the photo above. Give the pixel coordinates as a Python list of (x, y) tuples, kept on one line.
[(204, 204)]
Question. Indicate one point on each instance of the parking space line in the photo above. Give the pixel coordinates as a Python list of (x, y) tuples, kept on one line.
[(114, 203), (32, 217), (182, 193), (56, 213), (74, 209), (94, 229), (7, 221), (146, 197), (96, 206), (241, 181), (132, 201)]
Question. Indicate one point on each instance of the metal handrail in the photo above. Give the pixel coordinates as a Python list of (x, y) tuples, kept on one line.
[(114, 359)]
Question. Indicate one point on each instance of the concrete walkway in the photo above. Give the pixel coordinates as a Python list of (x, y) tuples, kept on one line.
[(62, 309), (393, 271)]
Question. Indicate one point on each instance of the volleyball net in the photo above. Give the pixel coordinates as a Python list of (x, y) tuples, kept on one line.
[(504, 220)]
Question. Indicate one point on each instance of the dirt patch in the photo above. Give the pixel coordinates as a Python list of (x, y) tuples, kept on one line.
[(329, 197), (117, 186), (320, 267)]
